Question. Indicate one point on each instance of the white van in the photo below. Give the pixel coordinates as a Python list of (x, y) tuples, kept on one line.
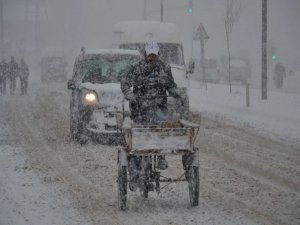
[(134, 35)]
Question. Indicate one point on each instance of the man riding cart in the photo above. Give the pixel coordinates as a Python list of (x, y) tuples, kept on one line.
[(153, 134)]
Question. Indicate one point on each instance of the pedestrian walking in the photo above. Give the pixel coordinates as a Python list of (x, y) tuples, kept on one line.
[(24, 74), (14, 71), (279, 74), (3, 76)]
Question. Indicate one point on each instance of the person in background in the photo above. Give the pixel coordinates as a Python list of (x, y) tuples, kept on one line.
[(24, 74), (13, 73), (279, 74), (3, 76)]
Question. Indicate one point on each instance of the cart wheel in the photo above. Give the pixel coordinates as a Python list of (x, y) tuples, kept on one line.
[(193, 182), (122, 187)]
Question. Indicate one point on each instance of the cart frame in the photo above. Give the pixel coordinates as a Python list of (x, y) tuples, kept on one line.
[(148, 142)]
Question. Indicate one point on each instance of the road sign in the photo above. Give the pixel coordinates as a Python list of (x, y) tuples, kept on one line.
[(200, 33)]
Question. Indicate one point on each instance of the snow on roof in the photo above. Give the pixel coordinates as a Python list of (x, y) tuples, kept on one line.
[(117, 51), (144, 31), (112, 51)]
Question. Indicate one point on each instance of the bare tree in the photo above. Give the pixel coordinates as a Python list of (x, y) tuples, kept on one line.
[(232, 15)]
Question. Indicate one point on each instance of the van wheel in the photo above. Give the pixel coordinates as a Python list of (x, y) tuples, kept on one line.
[(73, 129), (122, 185)]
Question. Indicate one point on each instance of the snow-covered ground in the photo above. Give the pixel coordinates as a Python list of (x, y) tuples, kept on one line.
[(249, 164), (279, 115), (25, 199)]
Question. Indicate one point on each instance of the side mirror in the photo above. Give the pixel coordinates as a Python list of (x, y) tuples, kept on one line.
[(71, 84), (191, 68)]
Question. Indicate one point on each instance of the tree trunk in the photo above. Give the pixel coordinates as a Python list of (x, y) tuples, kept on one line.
[(229, 58)]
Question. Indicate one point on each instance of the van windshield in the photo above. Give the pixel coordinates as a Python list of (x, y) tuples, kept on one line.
[(170, 53), (106, 68)]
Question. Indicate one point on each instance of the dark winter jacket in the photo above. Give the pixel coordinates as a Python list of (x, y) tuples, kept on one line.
[(24, 71), (14, 70), (279, 70), (4, 70), (150, 85)]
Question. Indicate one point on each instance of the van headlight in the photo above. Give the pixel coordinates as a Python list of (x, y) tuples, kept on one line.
[(90, 97)]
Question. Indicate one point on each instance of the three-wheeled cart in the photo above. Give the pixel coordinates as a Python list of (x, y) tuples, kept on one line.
[(146, 143)]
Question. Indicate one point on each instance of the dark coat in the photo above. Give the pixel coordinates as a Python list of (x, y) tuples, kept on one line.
[(279, 70), (4, 70), (150, 85), (14, 70), (148, 80), (24, 71)]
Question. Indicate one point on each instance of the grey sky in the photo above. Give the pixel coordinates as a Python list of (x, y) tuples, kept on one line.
[(75, 23)]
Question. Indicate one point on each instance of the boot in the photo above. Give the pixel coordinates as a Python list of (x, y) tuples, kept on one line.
[(134, 174)]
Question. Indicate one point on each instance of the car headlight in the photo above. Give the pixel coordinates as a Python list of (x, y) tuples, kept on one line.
[(90, 98)]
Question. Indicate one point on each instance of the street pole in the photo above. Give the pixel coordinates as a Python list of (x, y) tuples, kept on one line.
[(161, 10), (264, 77), (203, 64), (248, 95), (1, 29)]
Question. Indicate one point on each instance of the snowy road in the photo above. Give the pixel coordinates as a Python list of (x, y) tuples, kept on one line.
[(46, 179)]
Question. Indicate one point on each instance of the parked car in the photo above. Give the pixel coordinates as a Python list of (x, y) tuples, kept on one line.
[(212, 71), (240, 69), (96, 94), (53, 68)]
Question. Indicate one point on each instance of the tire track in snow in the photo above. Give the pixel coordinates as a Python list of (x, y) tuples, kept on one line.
[(269, 182)]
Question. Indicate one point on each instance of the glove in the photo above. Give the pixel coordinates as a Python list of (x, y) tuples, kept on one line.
[(164, 79), (174, 92), (181, 100), (130, 96)]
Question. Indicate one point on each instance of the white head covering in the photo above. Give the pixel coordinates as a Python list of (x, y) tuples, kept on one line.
[(152, 48)]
